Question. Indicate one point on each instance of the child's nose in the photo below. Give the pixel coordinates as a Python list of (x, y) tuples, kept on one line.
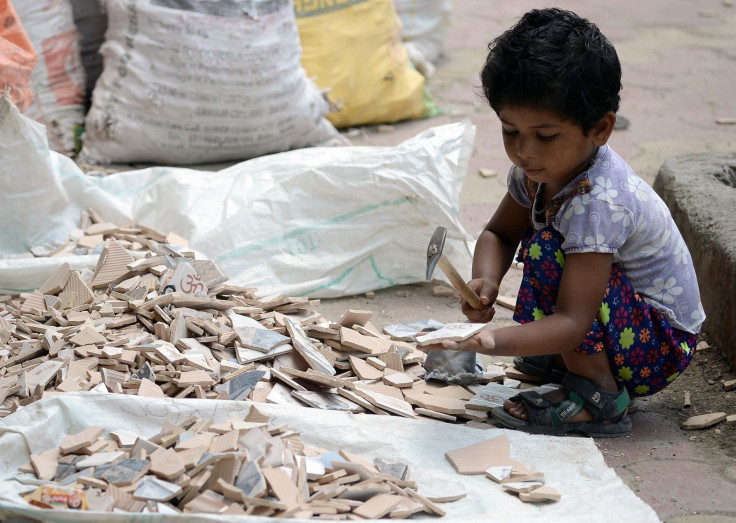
[(524, 148)]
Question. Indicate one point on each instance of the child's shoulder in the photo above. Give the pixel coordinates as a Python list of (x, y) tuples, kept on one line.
[(615, 190), (608, 163), (610, 174)]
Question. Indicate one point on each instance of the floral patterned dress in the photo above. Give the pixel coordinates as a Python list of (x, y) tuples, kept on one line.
[(651, 313)]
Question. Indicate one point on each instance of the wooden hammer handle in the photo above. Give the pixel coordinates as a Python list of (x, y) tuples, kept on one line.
[(459, 284)]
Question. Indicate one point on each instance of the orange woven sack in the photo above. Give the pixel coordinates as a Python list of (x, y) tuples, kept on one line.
[(17, 57)]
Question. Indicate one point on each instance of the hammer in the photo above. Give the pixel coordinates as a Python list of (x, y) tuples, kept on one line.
[(435, 257)]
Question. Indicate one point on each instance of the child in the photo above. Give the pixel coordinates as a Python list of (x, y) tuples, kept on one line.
[(608, 291)]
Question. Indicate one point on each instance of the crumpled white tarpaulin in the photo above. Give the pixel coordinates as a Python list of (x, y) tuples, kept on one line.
[(324, 221), (590, 490)]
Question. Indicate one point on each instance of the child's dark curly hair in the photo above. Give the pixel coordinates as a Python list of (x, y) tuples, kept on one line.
[(556, 60)]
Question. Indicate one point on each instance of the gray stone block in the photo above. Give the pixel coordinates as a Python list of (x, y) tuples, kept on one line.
[(700, 190)]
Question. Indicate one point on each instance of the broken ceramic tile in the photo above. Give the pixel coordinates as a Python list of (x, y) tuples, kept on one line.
[(242, 385), (364, 343), (141, 445), (42, 374), (443, 404), (137, 294), (499, 473), (377, 506), (67, 467), (124, 472), (154, 489), (125, 438), (209, 271), (281, 484), (166, 464), (328, 458), (353, 316), (100, 458), (112, 264), (250, 480), (306, 348), (99, 501), (386, 402), (245, 355), (144, 373), (73, 478), (522, 486), (187, 281), (398, 379), (281, 395), (84, 438), (326, 401), (479, 457), (396, 470), (315, 469), (493, 395), (364, 370), (702, 421), (446, 494), (408, 331), (196, 358), (540, 494), (451, 331), (167, 351), (260, 339)]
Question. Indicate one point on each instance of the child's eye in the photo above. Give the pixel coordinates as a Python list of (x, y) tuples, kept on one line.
[(509, 133), (546, 138)]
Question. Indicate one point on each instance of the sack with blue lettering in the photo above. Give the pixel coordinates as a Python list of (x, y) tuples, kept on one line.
[(187, 82)]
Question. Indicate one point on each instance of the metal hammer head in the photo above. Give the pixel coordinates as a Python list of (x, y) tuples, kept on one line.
[(434, 250)]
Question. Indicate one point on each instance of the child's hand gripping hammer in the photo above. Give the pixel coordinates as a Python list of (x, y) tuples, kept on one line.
[(435, 257)]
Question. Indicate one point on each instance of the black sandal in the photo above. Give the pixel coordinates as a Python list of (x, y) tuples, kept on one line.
[(540, 366), (609, 410)]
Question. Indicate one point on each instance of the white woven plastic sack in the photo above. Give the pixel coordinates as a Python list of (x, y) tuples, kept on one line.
[(426, 23), (194, 81), (323, 222), (42, 190), (58, 78)]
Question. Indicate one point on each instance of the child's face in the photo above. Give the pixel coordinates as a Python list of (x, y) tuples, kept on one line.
[(548, 148)]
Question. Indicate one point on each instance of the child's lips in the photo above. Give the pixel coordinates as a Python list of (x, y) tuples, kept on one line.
[(532, 172)]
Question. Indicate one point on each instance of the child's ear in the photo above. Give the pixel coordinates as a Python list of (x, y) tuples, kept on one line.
[(603, 129)]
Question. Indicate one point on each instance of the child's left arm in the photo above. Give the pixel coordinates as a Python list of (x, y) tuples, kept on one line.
[(583, 285)]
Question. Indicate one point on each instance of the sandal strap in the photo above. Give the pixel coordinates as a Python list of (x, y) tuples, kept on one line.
[(545, 413), (570, 406), (603, 405)]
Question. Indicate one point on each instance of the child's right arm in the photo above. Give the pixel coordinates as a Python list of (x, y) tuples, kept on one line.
[(494, 252)]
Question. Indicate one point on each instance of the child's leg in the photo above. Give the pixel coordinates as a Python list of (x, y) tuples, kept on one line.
[(630, 342), (543, 261), (644, 352)]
